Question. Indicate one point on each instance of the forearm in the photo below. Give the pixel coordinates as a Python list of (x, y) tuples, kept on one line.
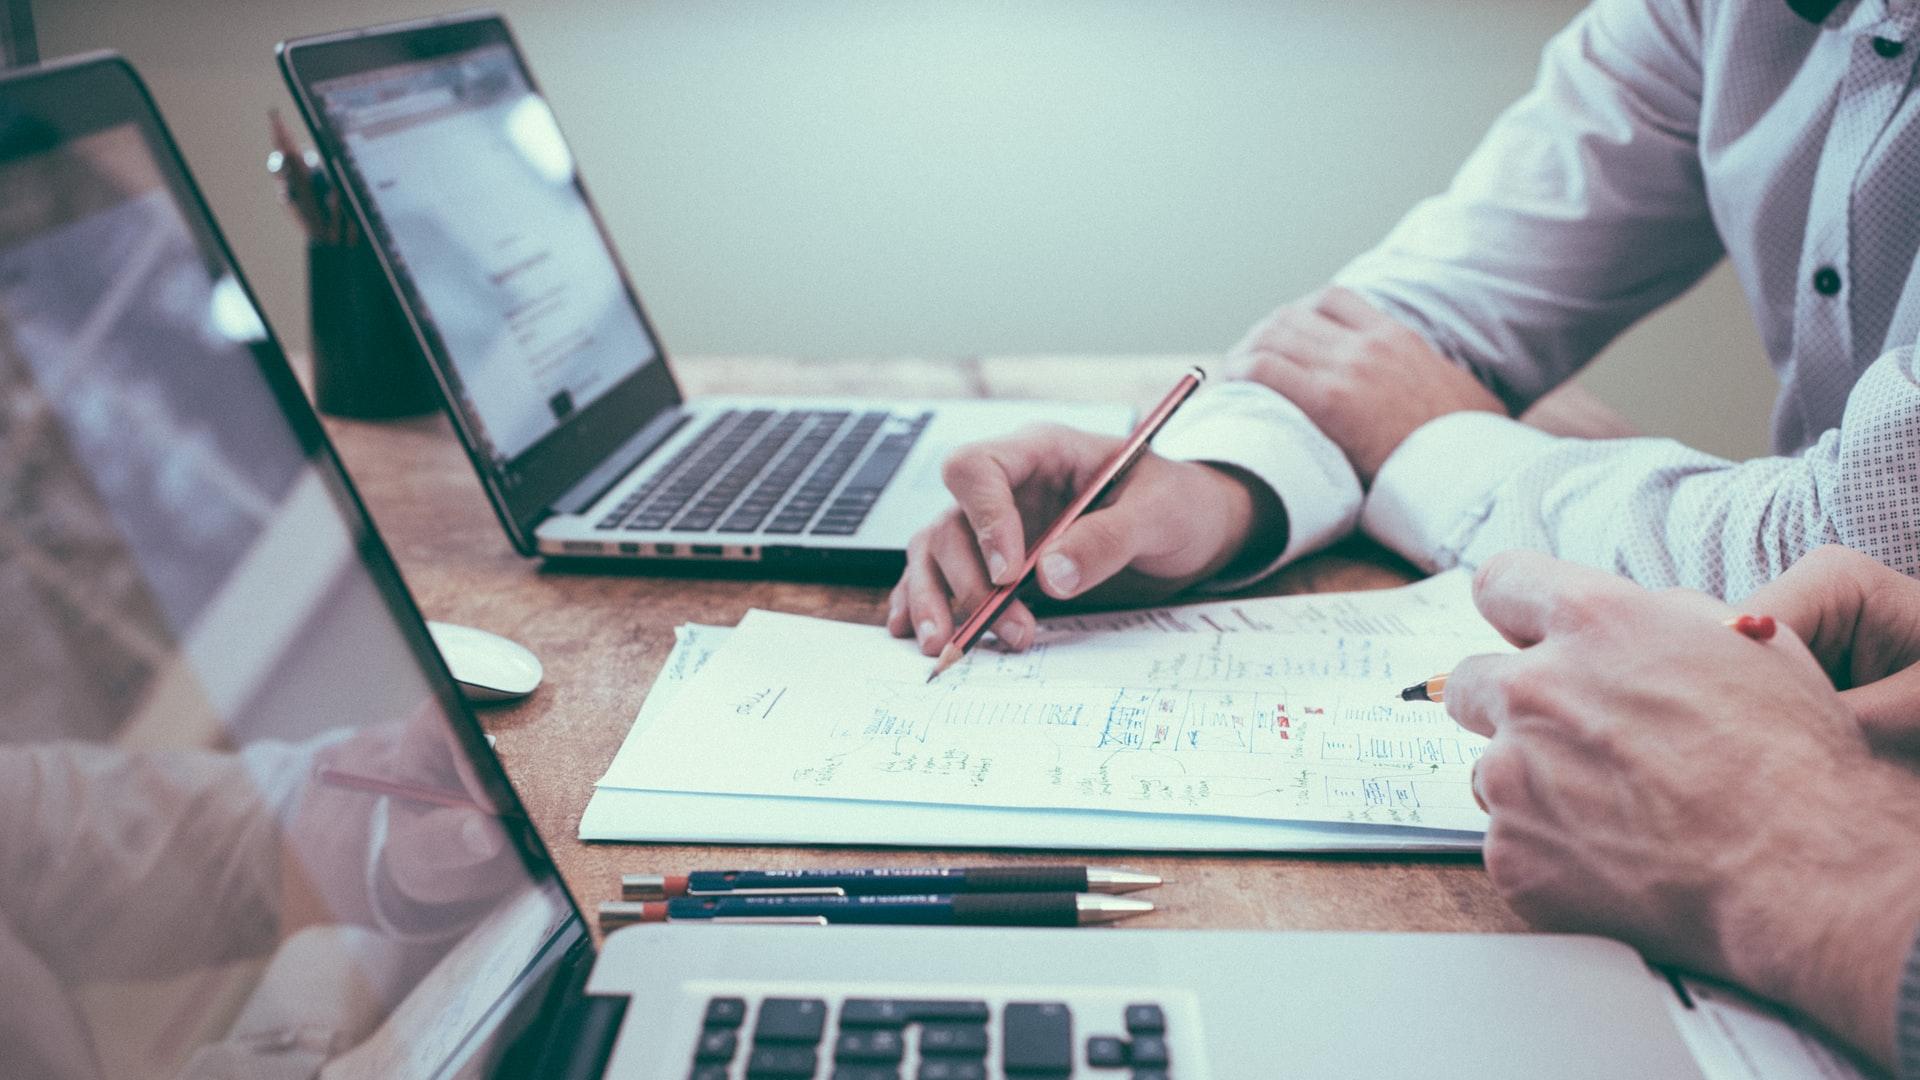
[(1465, 487)]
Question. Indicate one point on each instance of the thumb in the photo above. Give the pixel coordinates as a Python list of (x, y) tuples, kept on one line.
[(1093, 549), (1888, 711)]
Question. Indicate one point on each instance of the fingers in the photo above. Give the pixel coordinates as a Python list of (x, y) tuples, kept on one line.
[(945, 579), (1095, 548), (1344, 306), (1480, 692), (1525, 593), (1860, 617), (1888, 711), (985, 480)]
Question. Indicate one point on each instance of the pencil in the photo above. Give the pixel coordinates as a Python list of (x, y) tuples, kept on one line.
[(375, 786), (1757, 627), (1109, 475)]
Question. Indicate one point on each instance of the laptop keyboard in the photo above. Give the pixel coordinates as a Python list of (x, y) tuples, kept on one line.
[(789, 1038), (761, 470)]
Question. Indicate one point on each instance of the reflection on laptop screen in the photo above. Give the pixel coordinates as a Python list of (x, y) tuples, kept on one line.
[(474, 189), (238, 836)]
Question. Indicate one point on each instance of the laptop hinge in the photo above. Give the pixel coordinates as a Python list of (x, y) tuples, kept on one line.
[(589, 1035), (619, 463)]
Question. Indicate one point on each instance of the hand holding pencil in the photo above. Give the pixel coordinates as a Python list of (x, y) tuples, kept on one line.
[(1165, 525)]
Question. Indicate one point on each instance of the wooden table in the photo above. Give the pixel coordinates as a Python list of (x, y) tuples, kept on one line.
[(603, 638)]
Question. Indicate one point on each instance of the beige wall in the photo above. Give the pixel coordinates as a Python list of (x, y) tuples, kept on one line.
[(967, 176)]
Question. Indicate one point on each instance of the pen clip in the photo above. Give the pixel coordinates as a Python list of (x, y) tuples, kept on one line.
[(771, 920), (798, 890)]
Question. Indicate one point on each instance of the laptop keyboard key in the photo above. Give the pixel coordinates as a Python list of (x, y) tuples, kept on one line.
[(709, 1072), (1145, 1018), (1037, 1037), (1148, 1050), (1151, 1074), (717, 1045), (727, 1012), (951, 1069), (1106, 1052), (781, 1063), (865, 1072), (877, 1046), (957, 1040), (790, 1020)]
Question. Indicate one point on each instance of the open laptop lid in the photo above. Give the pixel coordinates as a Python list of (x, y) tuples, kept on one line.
[(247, 825), (457, 169)]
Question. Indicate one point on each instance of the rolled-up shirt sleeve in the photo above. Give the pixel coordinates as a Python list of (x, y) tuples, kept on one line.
[(1467, 486), (1583, 208)]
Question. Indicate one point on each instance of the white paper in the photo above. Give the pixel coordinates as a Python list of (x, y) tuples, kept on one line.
[(1198, 722), (622, 814)]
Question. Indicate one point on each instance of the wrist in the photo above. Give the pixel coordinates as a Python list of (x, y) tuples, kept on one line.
[(1827, 923), (1252, 526)]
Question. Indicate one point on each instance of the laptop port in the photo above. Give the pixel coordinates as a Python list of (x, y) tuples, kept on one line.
[(710, 550), (666, 549)]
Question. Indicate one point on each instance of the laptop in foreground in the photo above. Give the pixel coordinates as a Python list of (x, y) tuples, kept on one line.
[(249, 828), (551, 370)]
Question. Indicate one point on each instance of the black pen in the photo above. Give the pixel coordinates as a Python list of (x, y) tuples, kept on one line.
[(885, 881), (967, 909)]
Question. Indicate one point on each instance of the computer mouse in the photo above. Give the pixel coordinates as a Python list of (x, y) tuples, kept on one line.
[(488, 667)]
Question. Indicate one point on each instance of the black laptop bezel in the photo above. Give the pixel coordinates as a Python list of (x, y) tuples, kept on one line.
[(44, 107), (524, 492)]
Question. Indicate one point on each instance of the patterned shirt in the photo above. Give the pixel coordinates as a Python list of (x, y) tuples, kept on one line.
[(1660, 137)]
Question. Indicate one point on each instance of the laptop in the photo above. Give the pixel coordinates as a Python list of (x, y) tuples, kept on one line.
[(249, 828), (549, 366)]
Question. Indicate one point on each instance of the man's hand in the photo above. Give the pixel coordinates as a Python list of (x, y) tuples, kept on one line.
[(1862, 619), (1705, 797), (1367, 381), (1168, 525)]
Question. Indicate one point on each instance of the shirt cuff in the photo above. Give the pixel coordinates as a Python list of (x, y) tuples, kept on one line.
[(1438, 485), (1247, 426), (1906, 1032)]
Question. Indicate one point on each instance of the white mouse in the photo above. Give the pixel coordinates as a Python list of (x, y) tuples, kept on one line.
[(488, 667)]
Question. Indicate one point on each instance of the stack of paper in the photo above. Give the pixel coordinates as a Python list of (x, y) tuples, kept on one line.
[(1269, 725)]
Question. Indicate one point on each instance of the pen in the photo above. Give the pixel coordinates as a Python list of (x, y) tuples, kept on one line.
[(375, 786), (1757, 627), (885, 881), (978, 909), (1116, 467)]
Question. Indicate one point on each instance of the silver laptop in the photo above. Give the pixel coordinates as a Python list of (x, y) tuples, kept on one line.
[(249, 828), (551, 371)]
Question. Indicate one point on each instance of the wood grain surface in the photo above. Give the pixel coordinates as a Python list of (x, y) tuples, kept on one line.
[(603, 638)]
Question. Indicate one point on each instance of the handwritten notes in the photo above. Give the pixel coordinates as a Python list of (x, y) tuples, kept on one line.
[(1280, 709)]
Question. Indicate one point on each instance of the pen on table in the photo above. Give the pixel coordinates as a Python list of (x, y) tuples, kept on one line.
[(373, 785), (884, 881), (970, 632), (976, 909), (1757, 627)]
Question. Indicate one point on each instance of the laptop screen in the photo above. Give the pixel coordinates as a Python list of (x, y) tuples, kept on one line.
[(475, 192), (245, 827)]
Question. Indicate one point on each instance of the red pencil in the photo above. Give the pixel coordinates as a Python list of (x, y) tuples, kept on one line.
[(1116, 467)]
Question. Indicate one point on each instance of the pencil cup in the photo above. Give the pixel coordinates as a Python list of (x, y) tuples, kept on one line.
[(366, 364)]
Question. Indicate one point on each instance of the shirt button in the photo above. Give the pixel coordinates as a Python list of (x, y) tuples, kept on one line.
[(1888, 47), (1826, 281)]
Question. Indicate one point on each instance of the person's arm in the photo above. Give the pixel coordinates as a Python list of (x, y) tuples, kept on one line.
[(1465, 487), (1705, 797), (1583, 209)]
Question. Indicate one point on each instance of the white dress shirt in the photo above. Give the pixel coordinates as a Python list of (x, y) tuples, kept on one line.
[(1660, 136)]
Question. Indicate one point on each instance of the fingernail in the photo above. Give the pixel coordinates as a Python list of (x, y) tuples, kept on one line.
[(927, 630), (893, 612), (1061, 573), (997, 568), (1017, 635), (479, 836)]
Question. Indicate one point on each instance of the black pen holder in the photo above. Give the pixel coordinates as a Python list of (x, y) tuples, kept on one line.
[(366, 363)]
